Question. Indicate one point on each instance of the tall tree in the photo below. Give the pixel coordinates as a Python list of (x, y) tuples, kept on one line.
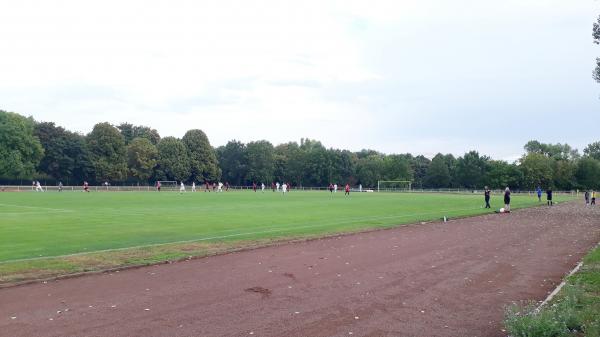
[(470, 169), (203, 159), (130, 132), (588, 173), (65, 153), (420, 165), (438, 174), (592, 150), (20, 150), (369, 170), (142, 158), (501, 174), (141, 131), (537, 170), (108, 153), (233, 162), (596, 36), (315, 162), (261, 163), (173, 161), (556, 151)]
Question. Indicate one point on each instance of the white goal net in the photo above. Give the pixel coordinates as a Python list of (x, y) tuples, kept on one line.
[(393, 185), (167, 185)]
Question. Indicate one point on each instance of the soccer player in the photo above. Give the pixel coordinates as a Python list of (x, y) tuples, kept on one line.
[(486, 193), (158, 185), (330, 188), (60, 186), (273, 186), (347, 189), (539, 193), (193, 186), (262, 187), (214, 186), (335, 187), (181, 188), (507, 200), (284, 188), (586, 196), (277, 185), (549, 196), (38, 187), (254, 186), (226, 186), (206, 186), (220, 187), (86, 186)]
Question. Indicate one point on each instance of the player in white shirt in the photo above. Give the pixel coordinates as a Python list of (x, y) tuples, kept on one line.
[(335, 188), (181, 188), (220, 187), (193, 186), (38, 187), (284, 188), (262, 187), (277, 185)]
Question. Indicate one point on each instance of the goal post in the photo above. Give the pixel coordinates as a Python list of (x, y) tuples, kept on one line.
[(168, 185), (394, 185)]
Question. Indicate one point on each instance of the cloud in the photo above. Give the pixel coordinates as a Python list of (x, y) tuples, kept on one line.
[(397, 76)]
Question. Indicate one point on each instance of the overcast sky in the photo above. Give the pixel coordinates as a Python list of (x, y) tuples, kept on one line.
[(419, 76)]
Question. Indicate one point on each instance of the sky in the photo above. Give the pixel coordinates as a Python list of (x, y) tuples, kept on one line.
[(418, 76)]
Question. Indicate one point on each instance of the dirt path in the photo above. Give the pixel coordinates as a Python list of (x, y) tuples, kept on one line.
[(436, 279)]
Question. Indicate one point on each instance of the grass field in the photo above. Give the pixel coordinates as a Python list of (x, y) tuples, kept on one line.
[(34, 227)]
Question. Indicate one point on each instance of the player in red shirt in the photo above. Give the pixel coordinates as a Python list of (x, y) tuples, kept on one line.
[(226, 186), (254, 187), (86, 186), (347, 189)]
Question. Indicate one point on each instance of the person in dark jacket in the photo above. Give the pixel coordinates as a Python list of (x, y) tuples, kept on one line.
[(549, 196), (486, 194)]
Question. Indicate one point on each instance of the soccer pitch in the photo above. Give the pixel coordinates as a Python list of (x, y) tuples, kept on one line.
[(41, 225)]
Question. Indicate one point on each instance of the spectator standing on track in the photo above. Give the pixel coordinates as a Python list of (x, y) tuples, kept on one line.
[(549, 196), (586, 196), (507, 200), (347, 190), (593, 197), (539, 193), (486, 194)]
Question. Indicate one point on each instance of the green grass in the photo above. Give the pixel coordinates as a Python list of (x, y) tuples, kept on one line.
[(575, 311), (126, 227)]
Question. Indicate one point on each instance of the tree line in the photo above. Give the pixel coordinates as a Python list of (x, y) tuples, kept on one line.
[(131, 154)]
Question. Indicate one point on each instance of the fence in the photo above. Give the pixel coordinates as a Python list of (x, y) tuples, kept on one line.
[(200, 188)]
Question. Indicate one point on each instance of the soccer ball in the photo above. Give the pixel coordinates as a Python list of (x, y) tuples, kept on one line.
[(502, 210)]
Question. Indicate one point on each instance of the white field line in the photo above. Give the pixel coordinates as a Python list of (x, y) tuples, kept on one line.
[(561, 285), (40, 208), (264, 231)]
